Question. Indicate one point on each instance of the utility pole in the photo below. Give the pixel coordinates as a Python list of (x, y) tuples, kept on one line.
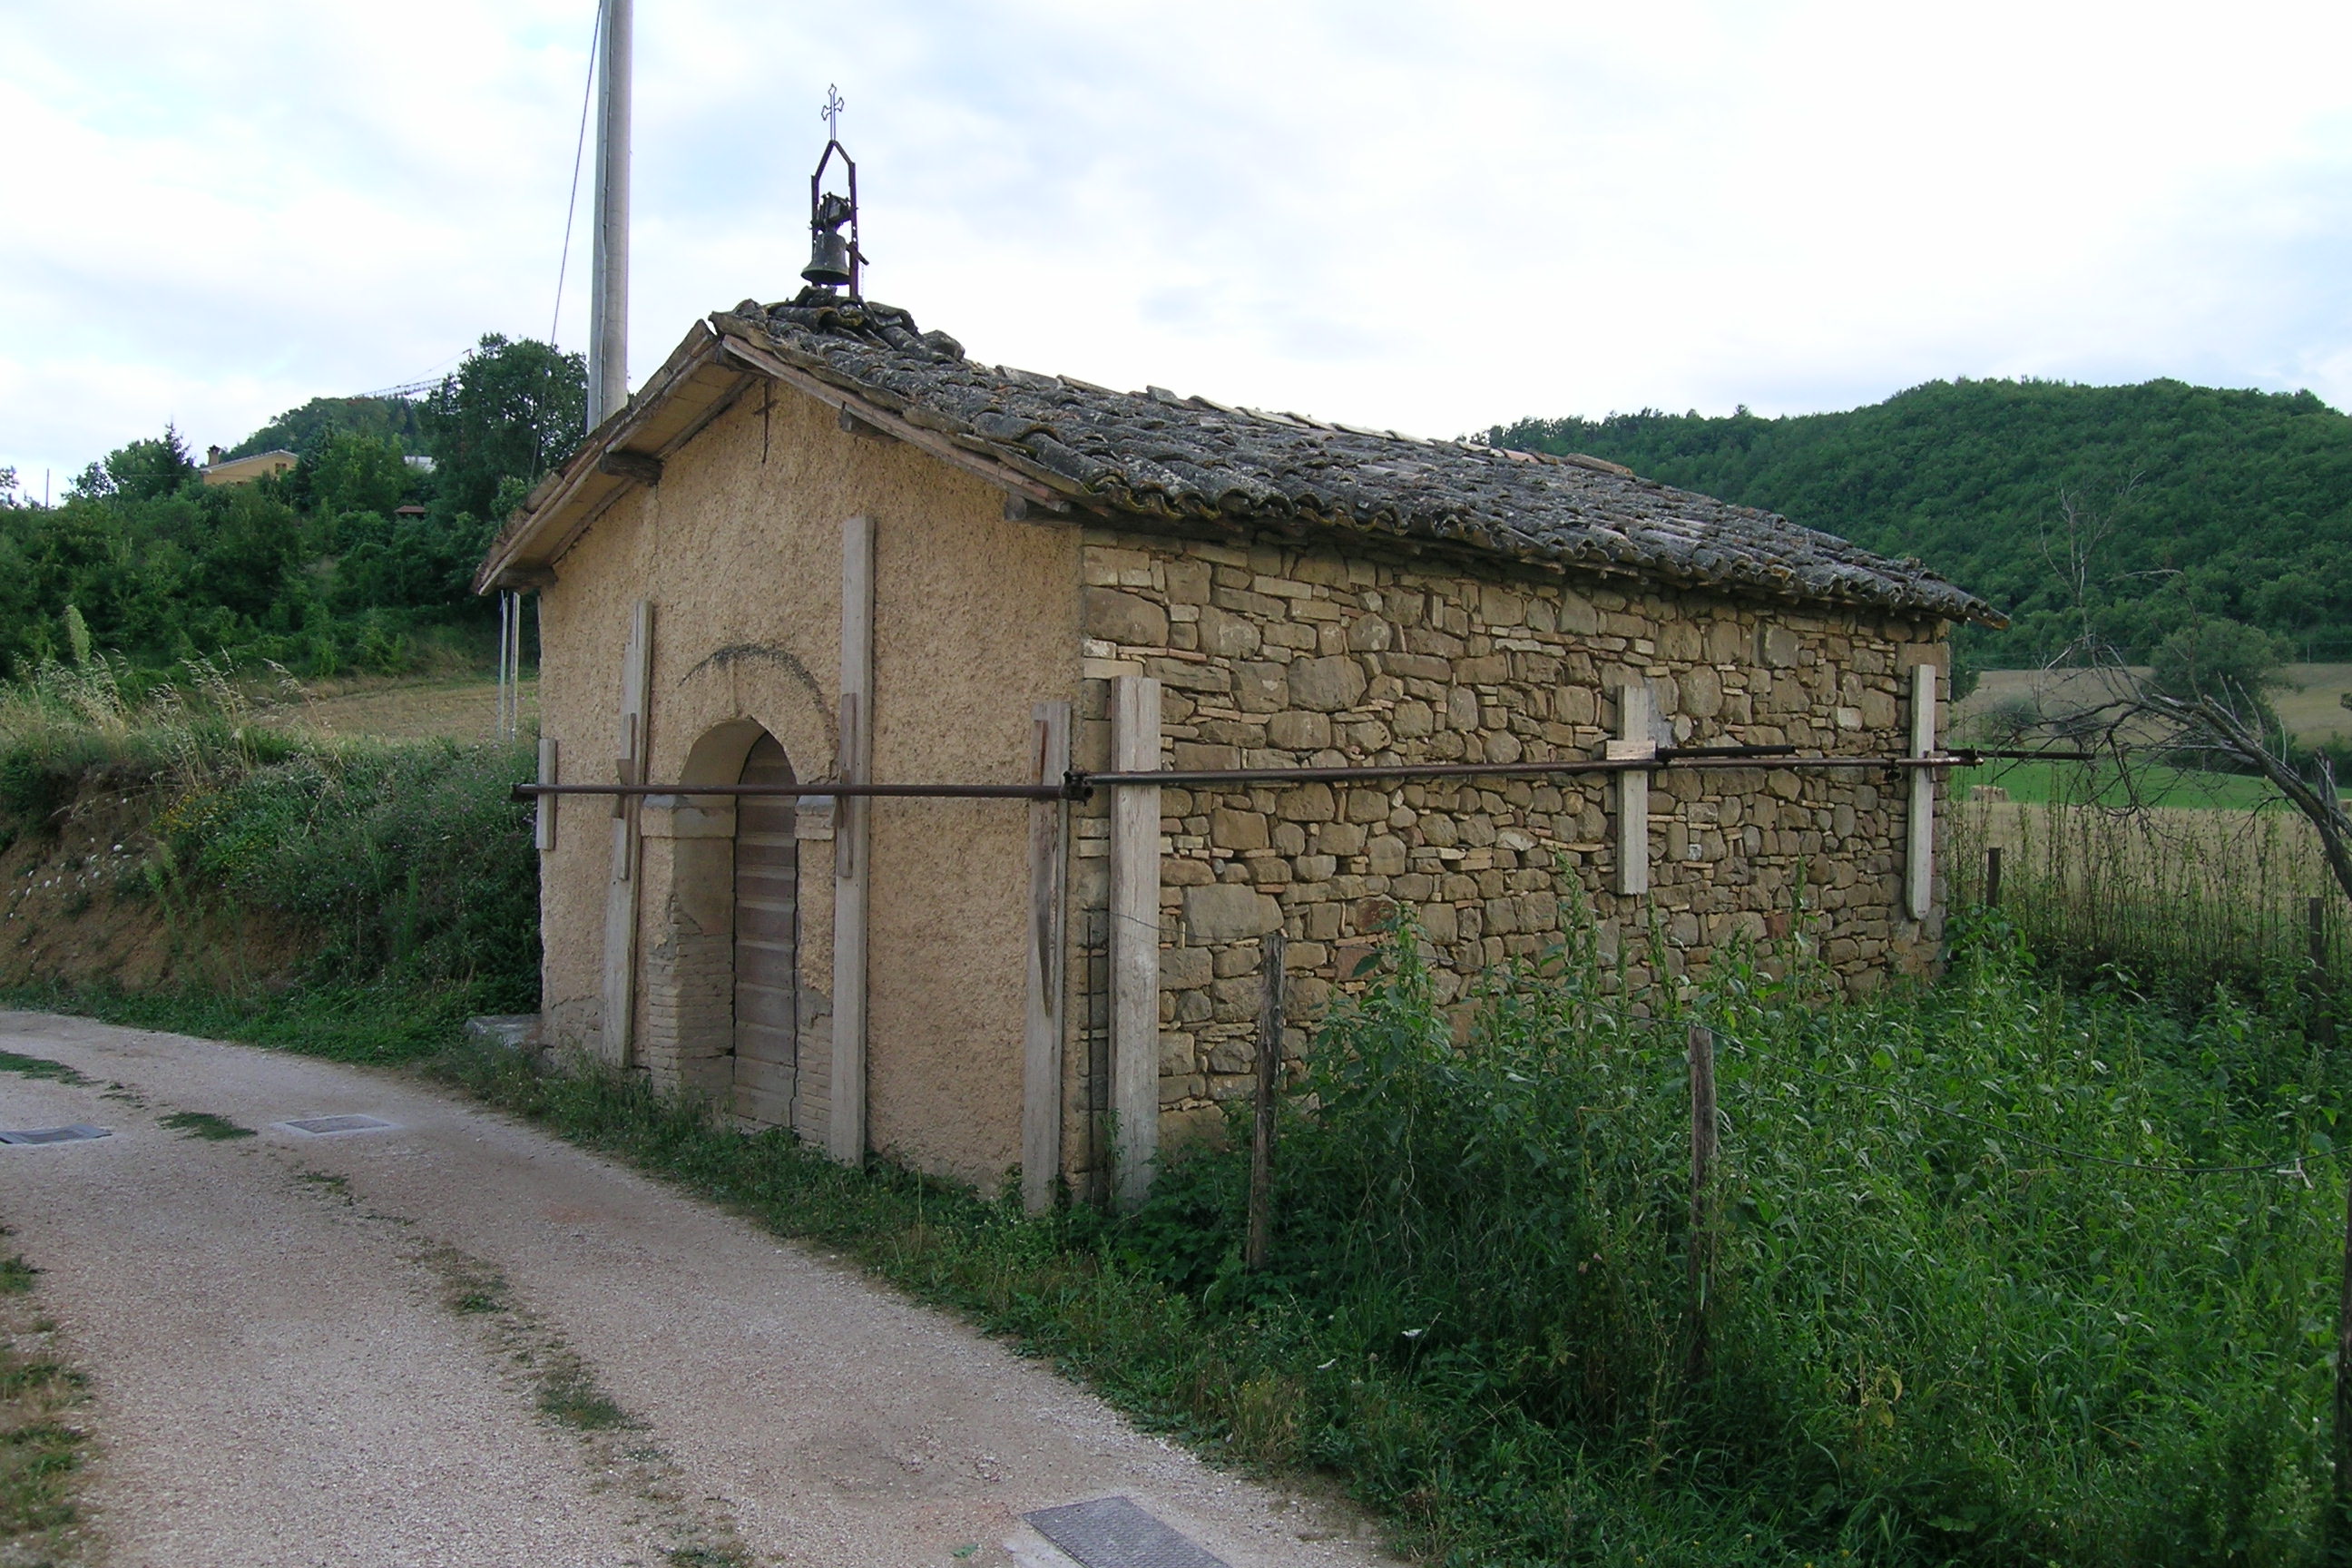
[(608, 319)]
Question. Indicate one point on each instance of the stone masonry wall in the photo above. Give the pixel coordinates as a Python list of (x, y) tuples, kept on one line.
[(1299, 655)]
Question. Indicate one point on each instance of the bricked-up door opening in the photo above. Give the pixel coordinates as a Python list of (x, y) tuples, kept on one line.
[(767, 945)]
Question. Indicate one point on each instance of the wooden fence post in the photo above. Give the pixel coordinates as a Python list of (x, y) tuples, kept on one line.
[(1992, 878), (1702, 1108), (1272, 956)]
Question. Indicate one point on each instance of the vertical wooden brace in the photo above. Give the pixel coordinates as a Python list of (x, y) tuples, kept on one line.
[(1041, 1065), (1134, 940), (1635, 740), (620, 995), (1920, 864), (542, 828), (845, 1126)]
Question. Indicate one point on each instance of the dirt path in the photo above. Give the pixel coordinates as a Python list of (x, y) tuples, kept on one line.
[(455, 1340)]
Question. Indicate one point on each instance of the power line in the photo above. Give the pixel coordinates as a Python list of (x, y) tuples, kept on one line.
[(579, 149)]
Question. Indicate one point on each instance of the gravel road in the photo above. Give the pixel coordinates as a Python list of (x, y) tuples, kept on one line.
[(455, 1340)]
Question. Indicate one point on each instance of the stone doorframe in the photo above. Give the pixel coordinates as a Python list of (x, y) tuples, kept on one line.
[(686, 1024)]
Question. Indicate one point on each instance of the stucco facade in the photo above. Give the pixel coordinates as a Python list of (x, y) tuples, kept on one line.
[(737, 549)]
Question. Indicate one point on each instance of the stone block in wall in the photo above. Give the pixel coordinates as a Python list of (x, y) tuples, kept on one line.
[(1230, 829), (1228, 911), (1298, 730), (1700, 690), (1225, 634), (1185, 968), (1188, 581), (1260, 687), (1776, 646), (1307, 803), (1119, 617), (1346, 838), (1326, 685)]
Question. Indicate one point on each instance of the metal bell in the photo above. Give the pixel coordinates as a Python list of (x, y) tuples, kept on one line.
[(828, 260)]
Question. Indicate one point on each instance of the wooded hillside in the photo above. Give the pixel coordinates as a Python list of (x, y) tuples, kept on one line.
[(360, 557), (2198, 502)]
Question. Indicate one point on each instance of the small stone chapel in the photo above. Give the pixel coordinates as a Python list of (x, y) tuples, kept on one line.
[(821, 546)]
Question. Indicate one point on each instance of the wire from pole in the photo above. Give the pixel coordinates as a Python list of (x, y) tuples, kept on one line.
[(579, 151)]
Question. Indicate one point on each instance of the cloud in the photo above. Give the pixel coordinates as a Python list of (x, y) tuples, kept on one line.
[(1430, 218)]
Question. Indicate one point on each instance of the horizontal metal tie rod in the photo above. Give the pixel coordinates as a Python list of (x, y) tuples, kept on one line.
[(525, 791), (1078, 785), (1663, 759)]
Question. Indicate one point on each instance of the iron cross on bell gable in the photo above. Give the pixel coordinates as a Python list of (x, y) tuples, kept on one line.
[(834, 258)]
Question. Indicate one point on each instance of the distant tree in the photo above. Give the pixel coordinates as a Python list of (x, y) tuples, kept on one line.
[(511, 412), (351, 472), (8, 487), (140, 471), (400, 420), (2226, 661)]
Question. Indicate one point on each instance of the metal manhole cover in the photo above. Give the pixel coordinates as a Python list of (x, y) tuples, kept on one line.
[(73, 1134), (1113, 1533), (319, 1126)]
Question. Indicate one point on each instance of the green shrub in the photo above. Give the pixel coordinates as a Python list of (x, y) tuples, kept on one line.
[(411, 861), (1960, 1311)]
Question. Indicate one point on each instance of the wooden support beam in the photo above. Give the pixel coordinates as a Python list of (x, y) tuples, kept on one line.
[(845, 1126), (639, 467), (620, 976), (1920, 864), (865, 430), (1041, 1063), (542, 828), (1135, 941), (1635, 740)]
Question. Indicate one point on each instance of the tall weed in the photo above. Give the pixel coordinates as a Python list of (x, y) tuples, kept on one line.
[(1963, 1307), (407, 863)]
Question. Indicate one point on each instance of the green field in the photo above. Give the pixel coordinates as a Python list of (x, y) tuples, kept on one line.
[(2102, 784)]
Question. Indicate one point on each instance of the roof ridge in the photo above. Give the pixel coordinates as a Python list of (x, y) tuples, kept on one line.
[(1133, 452)]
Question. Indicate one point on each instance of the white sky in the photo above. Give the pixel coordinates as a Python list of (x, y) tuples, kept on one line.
[(1428, 216)]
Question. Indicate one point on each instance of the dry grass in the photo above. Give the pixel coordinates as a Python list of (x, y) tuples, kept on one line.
[(2309, 702), (2190, 897), (459, 710)]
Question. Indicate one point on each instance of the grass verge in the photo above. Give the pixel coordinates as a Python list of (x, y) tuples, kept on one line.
[(371, 1025), (41, 1447)]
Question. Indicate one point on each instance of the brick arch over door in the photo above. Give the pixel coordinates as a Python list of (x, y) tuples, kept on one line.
[(767, 943)]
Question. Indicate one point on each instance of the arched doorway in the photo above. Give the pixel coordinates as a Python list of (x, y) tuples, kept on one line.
[(767, 942)]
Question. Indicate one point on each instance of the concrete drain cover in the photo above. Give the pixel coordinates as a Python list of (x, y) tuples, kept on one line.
[(319, 1126), (1113, 1533), (73, 1134)]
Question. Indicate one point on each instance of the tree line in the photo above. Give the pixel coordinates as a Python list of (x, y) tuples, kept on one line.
[(2119, 516), (358, 558)]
